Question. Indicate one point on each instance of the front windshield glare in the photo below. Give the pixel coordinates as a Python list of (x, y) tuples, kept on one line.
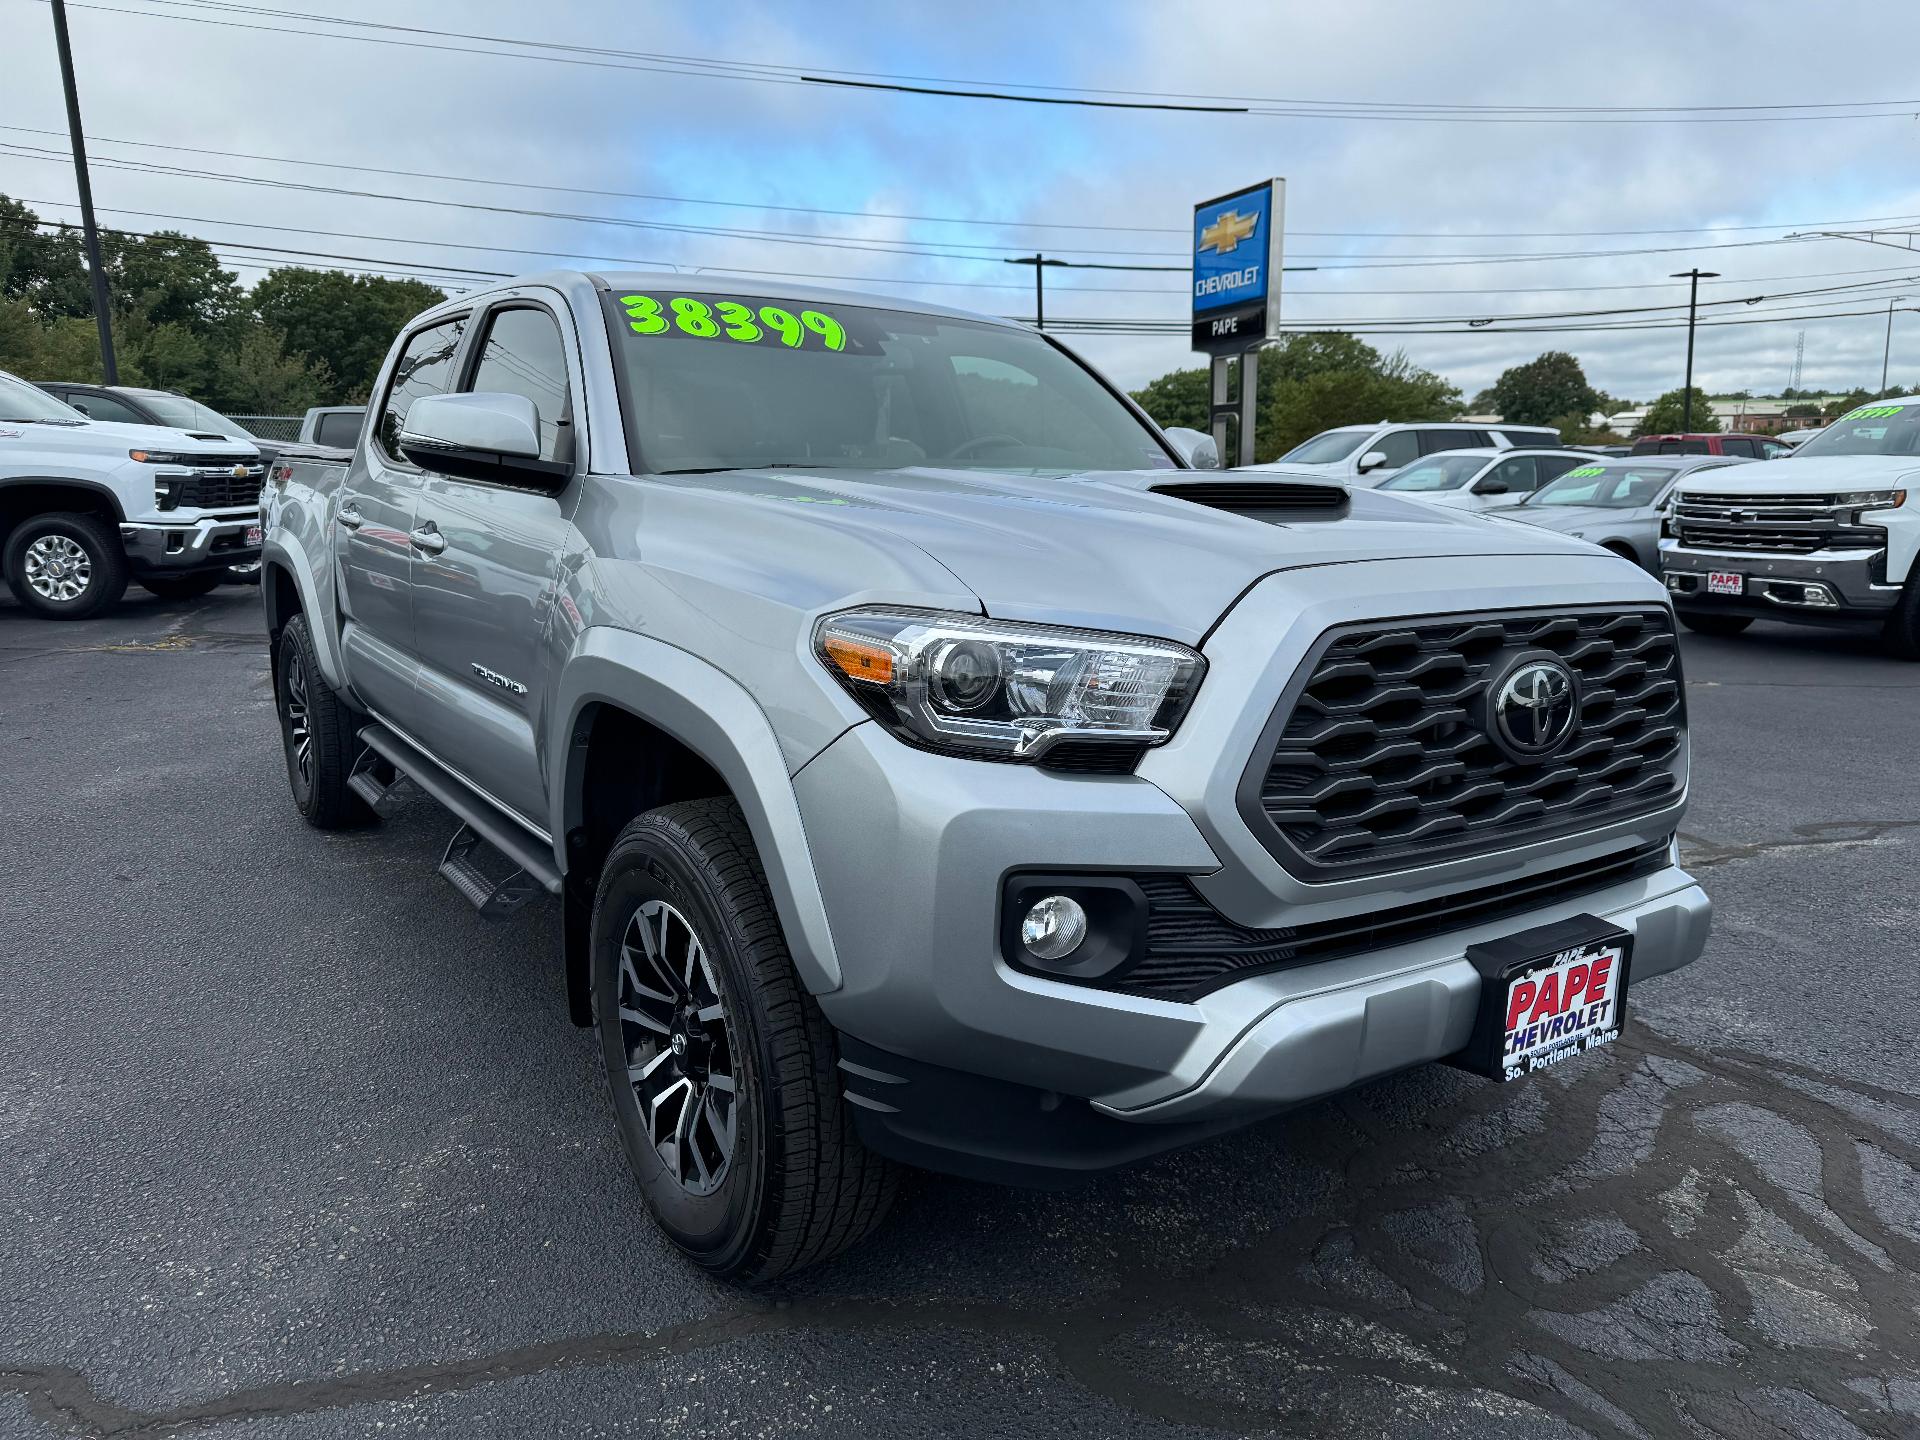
[(1612, 487), (1441, 472), (180, 413), (21, 401), (717, 382), (1325, 449), (1882, 429)]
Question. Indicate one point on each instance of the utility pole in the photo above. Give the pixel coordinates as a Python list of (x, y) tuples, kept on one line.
[(1039, 264), (110, 372), (1694, 276)]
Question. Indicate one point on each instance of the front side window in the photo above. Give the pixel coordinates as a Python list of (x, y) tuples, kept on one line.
[(1517, 475), (1327, 447), (1436, 472), (1401, 447), (105, 407), (523, 355), (1881, 429), (718, 382), (425, 367)]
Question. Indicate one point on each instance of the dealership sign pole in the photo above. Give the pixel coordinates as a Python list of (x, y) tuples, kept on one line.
[(1236, 296)]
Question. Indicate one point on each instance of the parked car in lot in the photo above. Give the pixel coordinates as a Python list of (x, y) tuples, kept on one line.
[(1616, 504), (1741, 447), (1829, 536), (1364, 455), (1794, 439), (130, 405), (87, 505), (1477, 479), (924, 778), (335, 426)]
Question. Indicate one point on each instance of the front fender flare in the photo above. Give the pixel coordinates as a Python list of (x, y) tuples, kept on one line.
[(713, 715), (314, 604)]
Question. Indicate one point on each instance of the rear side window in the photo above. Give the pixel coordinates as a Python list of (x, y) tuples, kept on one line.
[(1434, 441), (425, 367), (340, 429), (1552, 467), (523, 355)]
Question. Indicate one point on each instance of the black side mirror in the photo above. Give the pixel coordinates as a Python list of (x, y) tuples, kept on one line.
[(1491, 487)]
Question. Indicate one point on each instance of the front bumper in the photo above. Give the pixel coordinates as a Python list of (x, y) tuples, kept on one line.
[(1835, 584), (201, 543), (912, 850)]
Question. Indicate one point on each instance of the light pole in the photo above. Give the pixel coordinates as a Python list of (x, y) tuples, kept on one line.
[(1886, 353), (109, 372), (1694, 277)]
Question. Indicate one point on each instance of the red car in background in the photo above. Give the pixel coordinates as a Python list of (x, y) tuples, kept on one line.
[(1747, 447)]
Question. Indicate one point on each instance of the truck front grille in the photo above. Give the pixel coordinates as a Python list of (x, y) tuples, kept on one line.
[(1770, 524), (1382, 756), (216, 487)]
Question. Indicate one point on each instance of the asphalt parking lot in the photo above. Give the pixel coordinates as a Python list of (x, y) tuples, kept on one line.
[(292, 1143)]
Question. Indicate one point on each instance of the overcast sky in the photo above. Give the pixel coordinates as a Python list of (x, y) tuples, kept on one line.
[(184, 73)]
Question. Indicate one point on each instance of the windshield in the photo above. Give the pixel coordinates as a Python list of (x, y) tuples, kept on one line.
[(1613, 487), (1441, 472), (21, 402), (1325, 448), (1870, 430), (711, 382), (179, 413)]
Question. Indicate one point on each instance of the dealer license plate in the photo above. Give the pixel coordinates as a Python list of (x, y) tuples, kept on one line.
[(253, 535), (1725, 582), (1548, 995), (1568, 1006)]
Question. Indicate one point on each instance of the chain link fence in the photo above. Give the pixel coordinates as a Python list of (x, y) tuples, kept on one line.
[(271, 427)]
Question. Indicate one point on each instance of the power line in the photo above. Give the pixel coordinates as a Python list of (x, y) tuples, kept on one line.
[(705, 67), (773, 207)]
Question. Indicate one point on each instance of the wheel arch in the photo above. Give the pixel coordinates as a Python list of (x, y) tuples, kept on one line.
[(22, 496), (704, 731), (288, 587)]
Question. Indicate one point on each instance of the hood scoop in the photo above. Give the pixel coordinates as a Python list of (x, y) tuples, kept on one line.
[(1263, 499), (204, 435)]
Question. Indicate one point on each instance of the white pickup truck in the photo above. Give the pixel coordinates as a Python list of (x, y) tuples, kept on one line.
[(1826, 536), (87, 505)]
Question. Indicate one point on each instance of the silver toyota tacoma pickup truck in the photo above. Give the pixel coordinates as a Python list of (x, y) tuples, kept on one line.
[(932, 769)]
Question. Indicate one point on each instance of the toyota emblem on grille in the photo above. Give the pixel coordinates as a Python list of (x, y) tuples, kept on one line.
[(1535, 709)]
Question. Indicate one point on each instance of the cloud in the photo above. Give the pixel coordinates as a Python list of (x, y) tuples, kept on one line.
[(640, 131)]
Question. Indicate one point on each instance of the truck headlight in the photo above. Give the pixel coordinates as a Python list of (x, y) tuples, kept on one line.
[(168, 457), (1857, 503), (1002, 691)]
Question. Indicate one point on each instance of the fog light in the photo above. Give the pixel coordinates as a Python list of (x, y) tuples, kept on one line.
[(1054, 928)]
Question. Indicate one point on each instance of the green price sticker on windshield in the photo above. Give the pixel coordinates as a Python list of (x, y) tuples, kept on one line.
[(1580, 472), (1873, 412), (707, 318)]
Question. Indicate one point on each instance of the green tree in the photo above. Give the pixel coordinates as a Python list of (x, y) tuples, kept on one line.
[(43, 269), (1667, 414), (342, 322), (1836, 408), (1178, 397), (1541, 392)]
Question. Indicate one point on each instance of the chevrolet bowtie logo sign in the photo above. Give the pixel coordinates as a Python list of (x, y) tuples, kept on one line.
[(1225, 234)]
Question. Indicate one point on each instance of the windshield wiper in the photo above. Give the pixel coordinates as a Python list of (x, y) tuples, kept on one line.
[(729, 469)]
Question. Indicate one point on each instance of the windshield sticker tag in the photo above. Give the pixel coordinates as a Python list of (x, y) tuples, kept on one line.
[(1873, 412), (1581, 471), (744, 324)]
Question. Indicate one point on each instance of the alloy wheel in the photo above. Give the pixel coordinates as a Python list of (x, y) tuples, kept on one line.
[(679, 1046), (298, 721), (58, 567)]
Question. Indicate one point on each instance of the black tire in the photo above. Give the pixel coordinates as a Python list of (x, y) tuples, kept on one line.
[(1709, 624), (309, 709), (795, 1185), (182, 587), (1900, 632), (96, 540)]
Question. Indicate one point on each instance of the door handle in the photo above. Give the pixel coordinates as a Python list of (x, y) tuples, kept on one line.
[(350, 516), (428, 538)]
